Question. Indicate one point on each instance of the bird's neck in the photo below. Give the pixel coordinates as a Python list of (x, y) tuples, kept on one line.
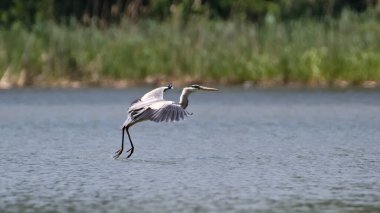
[(183, 100)]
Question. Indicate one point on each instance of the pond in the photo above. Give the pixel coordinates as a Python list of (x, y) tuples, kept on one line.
[(278, 150)]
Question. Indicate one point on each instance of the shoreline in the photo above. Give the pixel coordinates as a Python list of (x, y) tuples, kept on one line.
[(150, 81), (301, 53)]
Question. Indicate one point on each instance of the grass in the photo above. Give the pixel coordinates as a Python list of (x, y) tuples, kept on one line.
[(306, 52)]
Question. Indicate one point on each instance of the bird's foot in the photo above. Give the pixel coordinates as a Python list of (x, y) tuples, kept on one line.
[(130, 152), (118, 153)]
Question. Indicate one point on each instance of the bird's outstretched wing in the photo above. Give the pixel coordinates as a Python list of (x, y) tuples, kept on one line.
[(156, 94), (152, 96), (168, 111)]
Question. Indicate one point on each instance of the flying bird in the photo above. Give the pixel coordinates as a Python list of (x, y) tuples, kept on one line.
[(153, 107)]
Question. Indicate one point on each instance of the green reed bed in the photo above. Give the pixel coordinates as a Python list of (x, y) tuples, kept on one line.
[(305, 52)]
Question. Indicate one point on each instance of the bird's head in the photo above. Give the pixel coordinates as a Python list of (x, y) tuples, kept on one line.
[(196, 87)]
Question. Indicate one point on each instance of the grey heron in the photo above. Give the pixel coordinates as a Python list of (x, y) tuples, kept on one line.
[(152, 106)]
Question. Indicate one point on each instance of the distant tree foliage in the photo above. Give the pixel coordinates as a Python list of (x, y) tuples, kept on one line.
[(24, 11), (105, 12)]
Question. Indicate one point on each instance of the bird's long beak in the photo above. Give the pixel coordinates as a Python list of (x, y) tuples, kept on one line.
[(208, 88)]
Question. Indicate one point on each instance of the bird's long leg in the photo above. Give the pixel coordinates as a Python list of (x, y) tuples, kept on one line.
[(118, 152), (132, 147)]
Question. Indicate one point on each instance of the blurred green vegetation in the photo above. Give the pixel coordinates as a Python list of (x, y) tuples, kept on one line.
[(263, 42)]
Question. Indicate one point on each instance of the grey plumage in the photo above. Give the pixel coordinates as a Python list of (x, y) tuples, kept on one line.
[(168, 112), (153, 107)]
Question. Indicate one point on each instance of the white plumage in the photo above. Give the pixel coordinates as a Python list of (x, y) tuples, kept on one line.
[(153, 107)]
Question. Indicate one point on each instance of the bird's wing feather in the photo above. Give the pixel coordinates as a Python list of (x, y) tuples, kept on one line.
[(152, 96), (156, 94), (167, 112)]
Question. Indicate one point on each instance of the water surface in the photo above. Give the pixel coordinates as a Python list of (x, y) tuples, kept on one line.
[(241, 151)]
